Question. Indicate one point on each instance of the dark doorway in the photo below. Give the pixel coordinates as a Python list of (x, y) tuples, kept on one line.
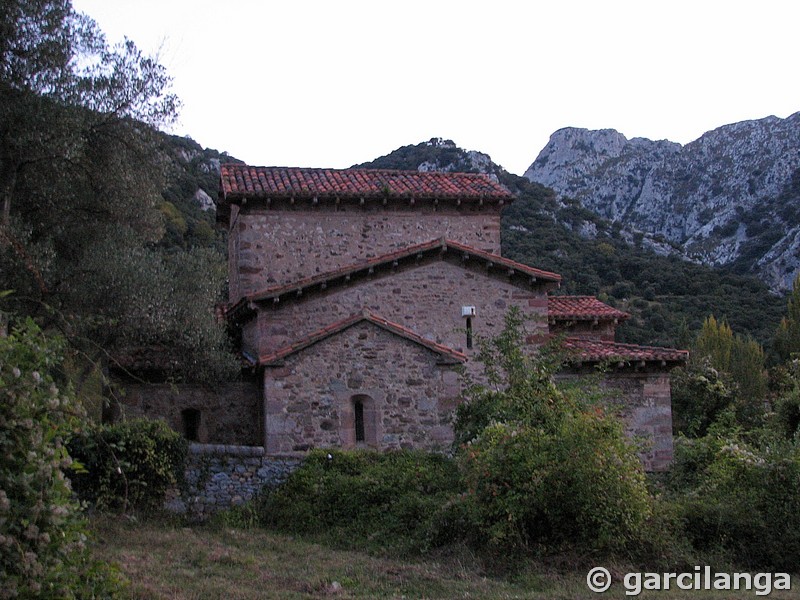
[(191, 424)]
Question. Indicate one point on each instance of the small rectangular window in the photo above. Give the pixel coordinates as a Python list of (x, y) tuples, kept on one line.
[(469, 332), (358, 408)]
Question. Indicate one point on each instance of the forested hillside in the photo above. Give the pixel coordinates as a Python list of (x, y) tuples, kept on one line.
[(668, 297), (188, 205)]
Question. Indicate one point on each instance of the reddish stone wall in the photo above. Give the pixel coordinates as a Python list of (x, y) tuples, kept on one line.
[(644, 401), (278, 247), (427, 299), (408, 398), (228, 415)]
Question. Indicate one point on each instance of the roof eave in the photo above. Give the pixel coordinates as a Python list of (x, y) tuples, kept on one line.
[(579, 360), (390, 261), (447, 356)]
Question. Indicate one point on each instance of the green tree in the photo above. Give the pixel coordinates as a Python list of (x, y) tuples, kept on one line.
[(747, 369), (128, 465), (787, 337), (38, 41), (741, 360), (785, 383), (715, 341), (81, 178)]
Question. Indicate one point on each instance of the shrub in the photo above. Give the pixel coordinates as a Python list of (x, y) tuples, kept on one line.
[(577, 485), (128, 465), (42, 535), (700, 395), (787, 413), (785, 380), (384, 500), (741, 499), (543, 467)]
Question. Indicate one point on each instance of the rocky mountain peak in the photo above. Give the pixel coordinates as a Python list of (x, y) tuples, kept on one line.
[(727, 198)]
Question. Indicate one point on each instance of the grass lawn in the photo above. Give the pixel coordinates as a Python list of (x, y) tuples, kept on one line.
[(165, 560)]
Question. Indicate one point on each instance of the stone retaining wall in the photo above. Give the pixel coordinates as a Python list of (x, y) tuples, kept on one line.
[(221, 476)]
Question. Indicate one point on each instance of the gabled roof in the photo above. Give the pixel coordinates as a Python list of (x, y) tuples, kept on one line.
[(582, 308), (392, 260), (243, 181), (591, 350), (446, 355)]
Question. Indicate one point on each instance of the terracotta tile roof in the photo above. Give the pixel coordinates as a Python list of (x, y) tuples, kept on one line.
[(240, 181), (392, 259), (581, 308), (590, 350), (447, 355), (498, 260)]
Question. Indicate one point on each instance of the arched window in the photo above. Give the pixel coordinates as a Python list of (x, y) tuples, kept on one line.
[(361, 422), (190, 418)]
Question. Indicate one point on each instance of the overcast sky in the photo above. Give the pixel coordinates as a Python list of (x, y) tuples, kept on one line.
[(332, 83)]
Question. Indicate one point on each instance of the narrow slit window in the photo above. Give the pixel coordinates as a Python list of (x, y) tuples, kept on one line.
[(469, 332), (358, 409)]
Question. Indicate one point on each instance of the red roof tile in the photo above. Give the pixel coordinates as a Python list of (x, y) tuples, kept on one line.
[(581, 308), (397, 256), (498, 260), (590, 350), (239, 181), (448, 355)]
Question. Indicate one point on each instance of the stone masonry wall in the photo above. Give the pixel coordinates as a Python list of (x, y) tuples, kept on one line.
[(408, 398), (278, 247), (219, 477), (230, 414), (427, 299), (643, 399)]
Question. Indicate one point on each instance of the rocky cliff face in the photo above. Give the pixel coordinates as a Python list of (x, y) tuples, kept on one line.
[(731, 198)]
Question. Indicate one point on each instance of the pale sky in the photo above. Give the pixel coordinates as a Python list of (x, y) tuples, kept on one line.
[(327, 83)]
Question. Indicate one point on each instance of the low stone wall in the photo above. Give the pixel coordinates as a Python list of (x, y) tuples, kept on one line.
[(221, 476), (229, 414)]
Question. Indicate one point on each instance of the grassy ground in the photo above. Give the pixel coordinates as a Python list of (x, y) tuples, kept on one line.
[(165, 560)]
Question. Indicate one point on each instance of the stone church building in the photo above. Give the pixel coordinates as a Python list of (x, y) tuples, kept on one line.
[(356, 297)]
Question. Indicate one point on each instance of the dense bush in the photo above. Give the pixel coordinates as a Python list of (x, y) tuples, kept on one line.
[(365, 498), (42, 535), (128, 465), (787, 413), (543, 468), (787, 335), (700, 395), (741, 499), (576, 485)]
